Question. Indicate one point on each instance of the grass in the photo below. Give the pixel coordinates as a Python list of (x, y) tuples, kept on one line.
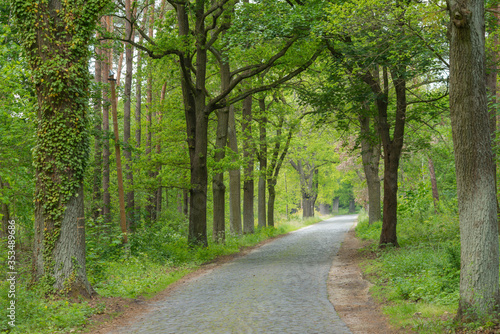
[(417, 283), (157, 257)]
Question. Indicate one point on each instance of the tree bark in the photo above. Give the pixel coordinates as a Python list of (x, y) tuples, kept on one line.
[(121, 191), (308, 175), (218, 186), (477, 207), (151, 196), (234, 179), (127, 102), (138, 124), (370, 155), (274, 170), (261, 212), (352, 206), (248, 156), (392, 152), (335, 205), (324, 209), (53, 47)]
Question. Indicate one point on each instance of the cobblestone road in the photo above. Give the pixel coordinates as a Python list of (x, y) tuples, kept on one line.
[(277, 288)]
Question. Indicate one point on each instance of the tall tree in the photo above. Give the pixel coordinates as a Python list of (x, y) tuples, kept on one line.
[(234, 178), (205, 25), (97, 182), (248, 156), (370, 155), (107, 65), (262, 156), (55, 37), (127, 103), (151, 197), (477, 206), (308, 174)]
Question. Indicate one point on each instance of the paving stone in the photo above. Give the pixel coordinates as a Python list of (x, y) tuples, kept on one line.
[(277, 288)]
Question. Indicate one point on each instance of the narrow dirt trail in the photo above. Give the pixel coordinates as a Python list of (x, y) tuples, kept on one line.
[(280, 287)]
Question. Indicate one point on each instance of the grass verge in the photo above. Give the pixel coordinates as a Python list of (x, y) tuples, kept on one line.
[(418, 283)]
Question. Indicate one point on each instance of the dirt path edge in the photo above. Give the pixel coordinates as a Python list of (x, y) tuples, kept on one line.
[(349, 292)]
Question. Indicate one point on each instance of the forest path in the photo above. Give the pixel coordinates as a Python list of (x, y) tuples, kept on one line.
[(280, 287)]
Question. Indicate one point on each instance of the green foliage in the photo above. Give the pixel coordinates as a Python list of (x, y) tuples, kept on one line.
[(36, 314), (157, 259), (424, 273)]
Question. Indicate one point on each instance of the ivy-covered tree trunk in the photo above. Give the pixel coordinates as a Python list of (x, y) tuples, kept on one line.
[(477, 206), (55, 35)]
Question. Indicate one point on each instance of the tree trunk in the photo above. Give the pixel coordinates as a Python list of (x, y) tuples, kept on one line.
[(61, 150), (370, 155), (271, 189), (491, 88), (335, 205), (179, 203), (151, 196), (274, 170), (119, 68), (307, 206), (477, 207), (352, 206), (121, 191), (138, 116), (435, 194), (218, 186), (127, 101), (97, 182), (261, 212), (158, 175), (248, 155), (392, 152), (234, 179), (324, 209), (308, 175), (106, 66)]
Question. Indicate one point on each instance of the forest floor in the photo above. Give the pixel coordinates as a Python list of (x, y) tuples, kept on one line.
[(347, 291)]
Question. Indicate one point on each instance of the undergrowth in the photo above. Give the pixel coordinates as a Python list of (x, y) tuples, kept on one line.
[(419, 281), (157, 256)]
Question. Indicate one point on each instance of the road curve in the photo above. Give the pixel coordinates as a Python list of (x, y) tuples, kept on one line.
[(277, 288)]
